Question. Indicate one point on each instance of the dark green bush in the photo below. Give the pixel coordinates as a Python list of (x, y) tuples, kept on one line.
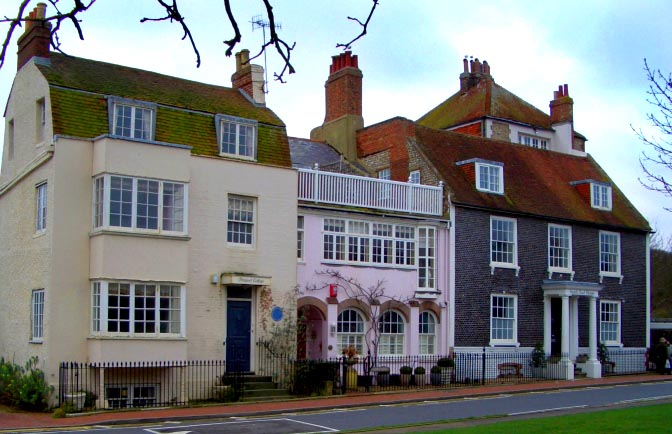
[(24, 387), (310, 375)]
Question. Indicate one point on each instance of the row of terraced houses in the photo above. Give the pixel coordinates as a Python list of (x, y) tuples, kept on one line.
[(147, 217)]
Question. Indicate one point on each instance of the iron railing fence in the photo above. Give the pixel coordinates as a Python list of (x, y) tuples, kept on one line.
[(151, 384), (114, 385)]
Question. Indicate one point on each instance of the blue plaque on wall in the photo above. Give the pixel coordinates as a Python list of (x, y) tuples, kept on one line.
[(276, 313)]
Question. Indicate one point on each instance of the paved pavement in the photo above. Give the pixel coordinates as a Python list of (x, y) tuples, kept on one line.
[(14, 421)]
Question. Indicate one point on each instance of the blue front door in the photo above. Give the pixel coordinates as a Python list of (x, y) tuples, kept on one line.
[(238, 327)]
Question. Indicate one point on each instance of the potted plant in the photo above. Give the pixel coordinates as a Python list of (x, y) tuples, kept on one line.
[(538, 360), (435, 375), (350, 358), (420, 376), (447, 365), (603, 356), (405, 375)]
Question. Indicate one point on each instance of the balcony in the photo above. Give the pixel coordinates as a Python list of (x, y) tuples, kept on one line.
[(363, 192)]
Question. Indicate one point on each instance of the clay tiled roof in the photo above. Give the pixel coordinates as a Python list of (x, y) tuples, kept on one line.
[(536, 182), (185, 113), (486, 99)]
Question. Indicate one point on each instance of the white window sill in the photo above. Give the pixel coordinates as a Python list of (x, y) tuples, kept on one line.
[(504, 344), (369, 264), (35, 341), (560, 271), (494, 265), (182, 236), (40, 233), (237, 157), (614, 275)]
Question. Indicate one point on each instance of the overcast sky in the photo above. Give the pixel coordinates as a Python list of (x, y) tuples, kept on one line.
[(411, 59)]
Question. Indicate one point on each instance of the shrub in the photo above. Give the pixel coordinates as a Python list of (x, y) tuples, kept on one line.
[(446, 362), (419, 370), (406, 370), (24, 387), (435, 369), (538, 356)]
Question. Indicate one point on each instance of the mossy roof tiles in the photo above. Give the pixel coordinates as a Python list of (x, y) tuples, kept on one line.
[(486, 99), (185, 113), (536, 182)]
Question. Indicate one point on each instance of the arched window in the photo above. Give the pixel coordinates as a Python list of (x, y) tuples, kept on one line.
[(427, 333), (350, 331), (391, 333)]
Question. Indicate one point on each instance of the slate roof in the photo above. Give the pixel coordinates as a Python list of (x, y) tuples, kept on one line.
[(485, 99), (536, 182), (305, 153), (185, 113)]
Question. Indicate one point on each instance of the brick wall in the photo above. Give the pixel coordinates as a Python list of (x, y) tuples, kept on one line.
[(474, 129), (391, 135), (474, 283)]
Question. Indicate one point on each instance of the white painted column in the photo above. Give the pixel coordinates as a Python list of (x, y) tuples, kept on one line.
[(332, 319), (547, 325), (574, 324), (413, 333), (593, 366), (565, 362)]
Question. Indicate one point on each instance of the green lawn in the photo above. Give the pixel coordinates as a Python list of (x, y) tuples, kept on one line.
[(644, 419)]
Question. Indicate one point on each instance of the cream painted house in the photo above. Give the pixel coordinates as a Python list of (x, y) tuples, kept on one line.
[(142, 217)]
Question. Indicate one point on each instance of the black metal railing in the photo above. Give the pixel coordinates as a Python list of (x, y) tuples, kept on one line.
[(151, 384)]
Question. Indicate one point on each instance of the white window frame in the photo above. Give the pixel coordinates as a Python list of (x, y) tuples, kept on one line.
[(350, 325), (414, 177), (37, 315), (41, 198), (137, 108), (426, 254), (342, 238), (495, 341), (553, 248), (40, 119), (609, 239), (238, 223), (600, 196), (606, 318), (513, 264), (533, 141), (129, 395), (10, 140), (100, 309), (487, 181), (300, 238), (384, 174), (246, 151), (168, 214), (427, 326), (392, 339)]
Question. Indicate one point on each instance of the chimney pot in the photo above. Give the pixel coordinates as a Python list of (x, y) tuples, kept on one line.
[(465, 65), (565, 90)]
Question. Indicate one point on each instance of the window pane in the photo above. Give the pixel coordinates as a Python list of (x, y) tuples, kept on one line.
[(502, 246), (121, 201), (169, 309), (41, 208), (350, 330), (147, 207), (240, 225), (173, 207), (118, 307), (37, 315)]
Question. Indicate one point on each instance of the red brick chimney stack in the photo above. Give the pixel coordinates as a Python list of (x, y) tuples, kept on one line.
[(249, 78), (562, 106), (36, 38), (343, 89), (474, 72)]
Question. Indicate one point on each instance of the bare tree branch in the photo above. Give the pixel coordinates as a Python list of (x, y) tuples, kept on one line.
[(173, 14), (657, 162), (237, 37), (364, 25)]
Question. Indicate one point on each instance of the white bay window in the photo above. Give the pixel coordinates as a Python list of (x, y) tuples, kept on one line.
[(137, 309)]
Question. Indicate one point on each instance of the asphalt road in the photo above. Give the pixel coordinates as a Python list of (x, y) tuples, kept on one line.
[(436, 412)]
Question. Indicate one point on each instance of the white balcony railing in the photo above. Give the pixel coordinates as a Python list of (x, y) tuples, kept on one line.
[(363, 192)]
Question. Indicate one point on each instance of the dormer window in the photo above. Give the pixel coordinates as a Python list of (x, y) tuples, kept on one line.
[(600, 196), (533, 141), (132, 119), (236, 136), (490, 177)]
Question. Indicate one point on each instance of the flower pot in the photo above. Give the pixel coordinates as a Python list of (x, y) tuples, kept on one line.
[(435, 379), (420, 379), (405, 379), (351, 378), (76, 400), (447, 375)]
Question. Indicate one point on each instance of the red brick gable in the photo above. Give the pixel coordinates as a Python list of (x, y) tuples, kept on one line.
[(474, 129), (390, 135), (536, 182)]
